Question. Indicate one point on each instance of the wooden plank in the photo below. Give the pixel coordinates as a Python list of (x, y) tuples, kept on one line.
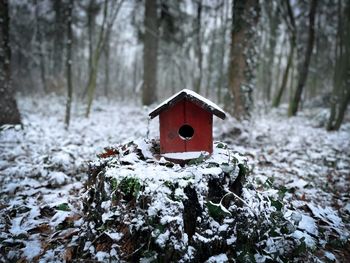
[(170, 121), (202, 123)]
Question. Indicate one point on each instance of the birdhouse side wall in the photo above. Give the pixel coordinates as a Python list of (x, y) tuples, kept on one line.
[(169, 121), (185, 112), (202, 123)]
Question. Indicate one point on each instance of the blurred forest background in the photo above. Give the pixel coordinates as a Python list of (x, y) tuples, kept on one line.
[(238, 53), (77, 78)]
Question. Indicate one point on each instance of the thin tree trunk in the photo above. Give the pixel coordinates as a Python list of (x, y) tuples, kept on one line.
[(277, 99), (69, 63), (211, 54), (40, 47), (342, 109), (91, 30), (292, 78), (9, 113), (222, 53), (315, 76), (107, 24), (150, 53), (279, 62), (341, 91), (198, 48), (106, 49), (294, 103), (58, 43), (273, 26), (135, 75)]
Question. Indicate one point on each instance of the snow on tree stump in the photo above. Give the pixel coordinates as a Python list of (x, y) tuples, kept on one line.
[(140, 207)]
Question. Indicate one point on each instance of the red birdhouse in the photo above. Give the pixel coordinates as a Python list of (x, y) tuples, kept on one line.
[(186, 124)]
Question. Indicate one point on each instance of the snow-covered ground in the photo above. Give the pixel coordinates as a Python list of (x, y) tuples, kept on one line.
[(43, 170)]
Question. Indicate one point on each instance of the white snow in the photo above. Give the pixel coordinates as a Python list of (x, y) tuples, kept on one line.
[(102, 256), (184, 155), (312, 163), (330, 256), (309, 241), (163, 238), (327, 214), (114, 236), (57, 178), (221, 258), (192, 94), (298, 183), (308, 224), (231, 240), (32, 249), (144, 147)]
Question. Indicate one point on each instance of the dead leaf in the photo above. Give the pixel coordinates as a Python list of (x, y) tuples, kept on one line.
[(108, 153), (69, 253), (42, 228)]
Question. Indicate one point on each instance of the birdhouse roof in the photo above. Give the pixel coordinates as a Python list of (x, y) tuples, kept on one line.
[(191, 96)]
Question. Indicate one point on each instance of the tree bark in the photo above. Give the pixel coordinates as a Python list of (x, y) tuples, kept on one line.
[(106, 51), (91, 30), (69, 62), (241, 40), (198, 49), (273, 17), (277, 100), (294, 103), (341, 89), (40, 47), (9, 113), (292, 31), (59, 37), (107, 23), (224, 18), (150, 52)]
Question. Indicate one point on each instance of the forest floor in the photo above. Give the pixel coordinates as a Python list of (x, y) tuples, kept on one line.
[(43, 168)]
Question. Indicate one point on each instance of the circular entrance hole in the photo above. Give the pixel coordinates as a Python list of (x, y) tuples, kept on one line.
[(186, 132)]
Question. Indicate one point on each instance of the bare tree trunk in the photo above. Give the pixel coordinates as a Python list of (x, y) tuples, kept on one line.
[(9, 113), (150, 53), (58, 44), (277, 100), (91, 31), (40, 47), (69, 63), (135, 79), (106, 49), (241, 40), (211, 54), (107, 24), (198, 48), (279, 62), (273, 26), (341, 90), (224, 18), (294, 103)]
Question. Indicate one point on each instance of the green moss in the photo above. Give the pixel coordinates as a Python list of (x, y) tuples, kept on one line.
[(63, 207), (217, 211), (114, 184), (130, 186), (221, 146)]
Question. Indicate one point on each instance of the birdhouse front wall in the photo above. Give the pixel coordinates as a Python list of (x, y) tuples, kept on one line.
[(191, 118)]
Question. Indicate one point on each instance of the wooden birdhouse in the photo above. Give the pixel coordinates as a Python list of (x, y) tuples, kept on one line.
[(186, 124)]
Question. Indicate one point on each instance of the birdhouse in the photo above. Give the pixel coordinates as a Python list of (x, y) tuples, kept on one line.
[(186, 124)]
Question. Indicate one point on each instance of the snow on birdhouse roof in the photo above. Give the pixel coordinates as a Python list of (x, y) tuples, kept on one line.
[(191, 96)]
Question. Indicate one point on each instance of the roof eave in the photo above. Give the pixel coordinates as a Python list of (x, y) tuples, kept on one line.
[(184, 95)]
